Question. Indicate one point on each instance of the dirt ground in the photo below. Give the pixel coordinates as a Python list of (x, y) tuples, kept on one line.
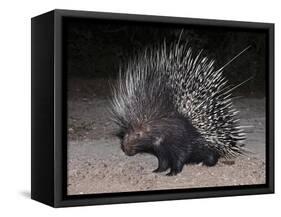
[(96, 163)]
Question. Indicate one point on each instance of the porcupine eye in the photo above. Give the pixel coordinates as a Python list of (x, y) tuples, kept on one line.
[(137, 135)]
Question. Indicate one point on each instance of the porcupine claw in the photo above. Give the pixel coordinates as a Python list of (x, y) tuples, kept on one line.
[(172, 173), (159, 170), (177, 168)]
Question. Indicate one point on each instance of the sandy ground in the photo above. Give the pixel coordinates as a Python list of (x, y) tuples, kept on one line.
[(96, 163)]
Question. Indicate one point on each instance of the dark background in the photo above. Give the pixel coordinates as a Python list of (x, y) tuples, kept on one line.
[(94, 50)]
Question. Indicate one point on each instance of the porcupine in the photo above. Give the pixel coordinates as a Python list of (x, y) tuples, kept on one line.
[(176, 106)]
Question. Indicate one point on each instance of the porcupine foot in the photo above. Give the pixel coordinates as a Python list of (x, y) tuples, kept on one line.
[(176, 168), (211, 159)]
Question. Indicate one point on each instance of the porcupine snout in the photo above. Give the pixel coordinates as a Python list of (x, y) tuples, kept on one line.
[(130, 142), (127, 148)]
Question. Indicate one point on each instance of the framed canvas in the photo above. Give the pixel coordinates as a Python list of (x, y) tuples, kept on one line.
[(133, 108)]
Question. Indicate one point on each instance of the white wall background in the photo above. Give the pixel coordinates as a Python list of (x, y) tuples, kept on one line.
[(15, 106)]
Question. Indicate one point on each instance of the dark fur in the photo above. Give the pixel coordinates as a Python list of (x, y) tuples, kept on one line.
[(173, 140)]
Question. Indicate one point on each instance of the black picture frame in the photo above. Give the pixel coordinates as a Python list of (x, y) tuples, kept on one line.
[(48, 150)]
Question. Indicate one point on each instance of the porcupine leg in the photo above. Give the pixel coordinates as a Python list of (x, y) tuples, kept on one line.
[(163, 165)]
